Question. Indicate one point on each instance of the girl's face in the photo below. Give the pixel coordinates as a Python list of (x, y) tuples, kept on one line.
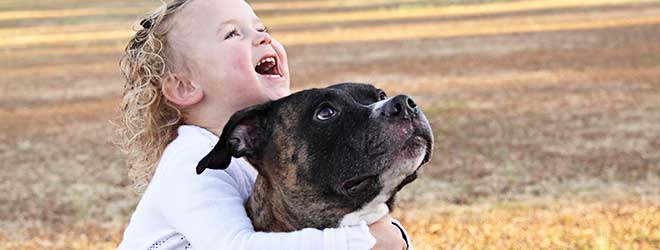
[(230, 54)]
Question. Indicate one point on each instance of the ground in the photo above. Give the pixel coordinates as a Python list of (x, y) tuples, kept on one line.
[(546, 115)]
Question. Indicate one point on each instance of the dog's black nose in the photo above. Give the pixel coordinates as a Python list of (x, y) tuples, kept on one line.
[(402, 106)]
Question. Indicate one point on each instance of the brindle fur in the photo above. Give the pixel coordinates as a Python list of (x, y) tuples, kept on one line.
[(285, 207), (297, 183)]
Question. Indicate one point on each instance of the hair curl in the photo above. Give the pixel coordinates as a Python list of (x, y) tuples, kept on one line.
[(147, 122)]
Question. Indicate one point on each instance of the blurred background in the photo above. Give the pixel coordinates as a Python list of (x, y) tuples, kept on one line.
[(546, 115)]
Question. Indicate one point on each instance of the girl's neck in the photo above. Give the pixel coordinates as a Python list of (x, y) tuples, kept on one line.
[(213, 122)]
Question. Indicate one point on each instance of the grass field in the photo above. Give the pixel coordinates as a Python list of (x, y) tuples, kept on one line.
[(546, 115)]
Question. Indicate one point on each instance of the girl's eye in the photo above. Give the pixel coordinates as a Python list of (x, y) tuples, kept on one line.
[(326, 113), (382, 95), (231, 34)]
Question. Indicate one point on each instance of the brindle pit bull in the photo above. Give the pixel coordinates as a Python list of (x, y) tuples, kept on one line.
[(326, 157)]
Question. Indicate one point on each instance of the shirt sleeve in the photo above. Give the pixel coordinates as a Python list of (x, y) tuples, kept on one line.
[(404, 234), (209, 211)]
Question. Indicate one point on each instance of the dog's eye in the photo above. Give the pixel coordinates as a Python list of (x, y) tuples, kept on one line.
[(382, 95), (325, 113)]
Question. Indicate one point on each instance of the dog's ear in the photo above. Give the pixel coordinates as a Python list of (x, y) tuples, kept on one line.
[(243, 135)]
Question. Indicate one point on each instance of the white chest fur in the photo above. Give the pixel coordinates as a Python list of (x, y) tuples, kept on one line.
[(369, 214)]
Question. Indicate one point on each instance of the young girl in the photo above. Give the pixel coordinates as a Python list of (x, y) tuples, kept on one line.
[(188, 69)]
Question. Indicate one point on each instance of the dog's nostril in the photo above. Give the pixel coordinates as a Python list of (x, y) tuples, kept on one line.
[(401, 106), (397, 108), (412, 106), (411, 103)]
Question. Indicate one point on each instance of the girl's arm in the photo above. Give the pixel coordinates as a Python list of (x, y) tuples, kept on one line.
[(404, 233), (209, 210)]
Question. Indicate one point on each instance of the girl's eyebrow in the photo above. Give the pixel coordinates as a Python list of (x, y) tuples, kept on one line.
[(235, 21), (258, 21), (225, 23)]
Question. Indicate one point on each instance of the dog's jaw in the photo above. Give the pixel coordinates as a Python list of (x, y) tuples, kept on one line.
[(390, 179)]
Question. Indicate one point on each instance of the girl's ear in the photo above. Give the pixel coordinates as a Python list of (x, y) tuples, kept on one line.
[(181, 91)]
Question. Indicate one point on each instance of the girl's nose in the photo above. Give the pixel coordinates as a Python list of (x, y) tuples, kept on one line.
[(262, 38)]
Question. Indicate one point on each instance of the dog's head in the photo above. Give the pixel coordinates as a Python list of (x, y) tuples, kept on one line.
[(337, 149)]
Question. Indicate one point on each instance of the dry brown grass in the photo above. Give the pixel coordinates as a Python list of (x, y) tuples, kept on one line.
[(630, 224), (546, 115)]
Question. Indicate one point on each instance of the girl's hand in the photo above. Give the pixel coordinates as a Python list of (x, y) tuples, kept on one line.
[(388, 236)]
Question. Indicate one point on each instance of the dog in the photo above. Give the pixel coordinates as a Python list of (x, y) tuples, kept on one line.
[(326, 157)]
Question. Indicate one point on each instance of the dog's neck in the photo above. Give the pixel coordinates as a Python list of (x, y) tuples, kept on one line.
[(268, 211)]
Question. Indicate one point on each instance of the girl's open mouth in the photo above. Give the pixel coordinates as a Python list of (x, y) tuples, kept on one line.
[(267, 66)]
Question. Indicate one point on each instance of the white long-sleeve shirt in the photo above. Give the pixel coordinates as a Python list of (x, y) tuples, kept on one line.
[(183, 210)]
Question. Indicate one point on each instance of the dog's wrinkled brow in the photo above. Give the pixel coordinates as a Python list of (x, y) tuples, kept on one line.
[(364, 97)]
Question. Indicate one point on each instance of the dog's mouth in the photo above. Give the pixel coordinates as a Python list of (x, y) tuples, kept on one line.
[(428, 141), (357, 185), (268, 66), (419, 139)]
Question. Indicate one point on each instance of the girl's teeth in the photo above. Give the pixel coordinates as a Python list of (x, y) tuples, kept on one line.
[(269, 59)]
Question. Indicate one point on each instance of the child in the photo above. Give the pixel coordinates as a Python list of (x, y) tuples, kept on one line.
[(188, 69)]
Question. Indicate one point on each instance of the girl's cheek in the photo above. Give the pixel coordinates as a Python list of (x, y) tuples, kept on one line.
[(280, 49), (240, 60), (282, 54), (228, 55)]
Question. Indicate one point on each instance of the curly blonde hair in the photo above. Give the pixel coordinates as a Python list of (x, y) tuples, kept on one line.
[(147, 121)]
